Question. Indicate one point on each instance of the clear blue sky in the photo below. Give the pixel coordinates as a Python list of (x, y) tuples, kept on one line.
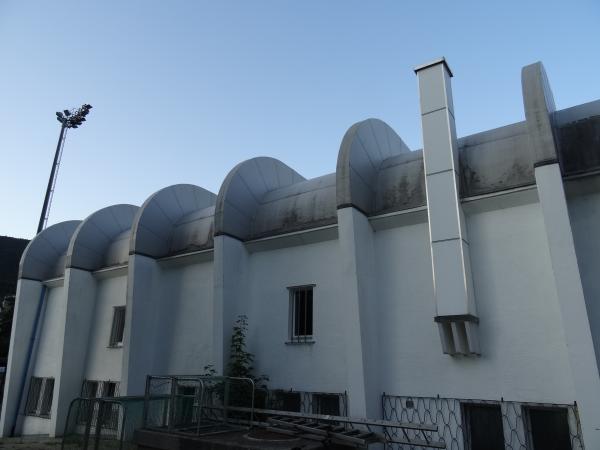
[(184, 90)]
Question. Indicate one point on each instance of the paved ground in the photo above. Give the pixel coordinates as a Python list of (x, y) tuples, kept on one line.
[(29, 444)]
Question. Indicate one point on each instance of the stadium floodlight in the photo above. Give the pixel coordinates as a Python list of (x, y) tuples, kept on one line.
[(73, 118)]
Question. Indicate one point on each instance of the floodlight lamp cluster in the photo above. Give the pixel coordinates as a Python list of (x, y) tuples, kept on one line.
[(75, 117)]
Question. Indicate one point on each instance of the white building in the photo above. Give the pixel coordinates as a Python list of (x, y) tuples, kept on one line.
[(460, 280)]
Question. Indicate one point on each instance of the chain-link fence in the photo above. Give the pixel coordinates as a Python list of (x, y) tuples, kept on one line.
[(449, 415)]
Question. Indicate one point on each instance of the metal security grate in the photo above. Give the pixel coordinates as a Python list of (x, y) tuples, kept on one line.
[(118, 326), (39, 397), (301, 314), (99, 388), (35, 388), (308, 402), (448, 415)]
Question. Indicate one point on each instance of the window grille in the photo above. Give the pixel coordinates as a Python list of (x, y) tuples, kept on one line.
[(89, 389), (453, 427), (328, 404), (111, 389), (39, 397), (99, 389), (118, 325), (35, 388), (46, 398), (301, 314)]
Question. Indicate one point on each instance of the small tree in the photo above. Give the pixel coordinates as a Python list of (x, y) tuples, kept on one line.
[(240, 359), (240, 366)]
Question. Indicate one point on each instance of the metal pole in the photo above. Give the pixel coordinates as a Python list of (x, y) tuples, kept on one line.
[(51, 180)]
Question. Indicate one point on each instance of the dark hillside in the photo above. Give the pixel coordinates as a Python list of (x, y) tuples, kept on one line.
[(10, 255)]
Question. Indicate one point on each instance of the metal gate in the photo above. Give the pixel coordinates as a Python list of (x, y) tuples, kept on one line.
[(95, 424)]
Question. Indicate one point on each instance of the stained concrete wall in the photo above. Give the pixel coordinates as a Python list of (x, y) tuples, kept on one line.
[(520, 327)]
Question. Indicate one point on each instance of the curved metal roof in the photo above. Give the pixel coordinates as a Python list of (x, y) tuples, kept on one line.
[(44, 257), (176, 219), (102, 240), (243, 190), (365, 146)]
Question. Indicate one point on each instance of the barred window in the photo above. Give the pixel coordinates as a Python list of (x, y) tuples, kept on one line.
[(118, 325), (89, 389), (39, 397), (111, 389), (99, 389), (326, 404), (483, 426), (549, 428), (301, 313), (287, 401)]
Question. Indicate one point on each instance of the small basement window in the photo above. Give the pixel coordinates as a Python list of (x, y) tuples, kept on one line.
[(301, 314), (118, 325), (89, 389), (327, 404), (549, 428), (483, 426), (288, 401), (99, 389), (111, 389), (39, 397)]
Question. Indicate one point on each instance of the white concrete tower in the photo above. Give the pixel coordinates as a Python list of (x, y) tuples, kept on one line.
[(455, 302)]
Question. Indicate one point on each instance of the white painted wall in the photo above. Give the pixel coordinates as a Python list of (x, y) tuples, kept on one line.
[(524, 355), (184, 337), (320, 366), (103, 362), (584, 211), (46, 358)]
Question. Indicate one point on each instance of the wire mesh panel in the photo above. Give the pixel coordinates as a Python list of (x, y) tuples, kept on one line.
[(448, 414)]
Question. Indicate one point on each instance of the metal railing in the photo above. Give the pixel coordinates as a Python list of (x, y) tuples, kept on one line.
[(196, 404), (102, 423)]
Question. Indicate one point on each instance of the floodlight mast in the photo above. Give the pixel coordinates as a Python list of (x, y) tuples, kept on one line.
[(68, 119)]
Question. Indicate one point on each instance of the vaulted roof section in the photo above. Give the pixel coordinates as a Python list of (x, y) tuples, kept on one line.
[(44, 257), (102, 240), (174, 220)]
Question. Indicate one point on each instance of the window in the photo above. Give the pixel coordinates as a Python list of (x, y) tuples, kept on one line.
[(301, 314), (92, 389), (89, 389), (549, 428), (483, 426), (118, 325), (99, 389), (287, 401), (111, 389), (39, 398), (328, 404)]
